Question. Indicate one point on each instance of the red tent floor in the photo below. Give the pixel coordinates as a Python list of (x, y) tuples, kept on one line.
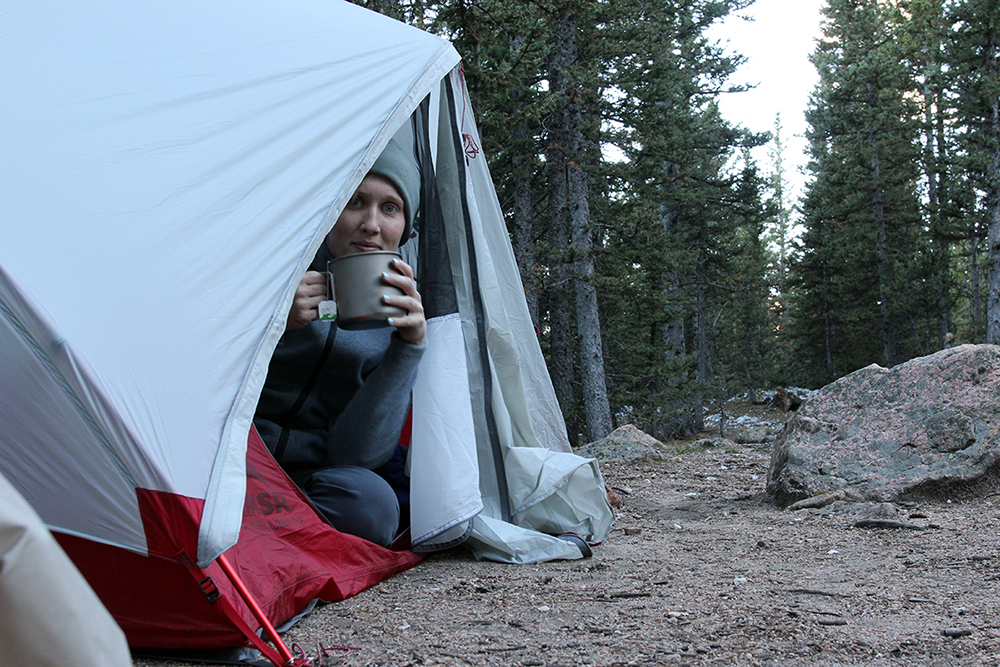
[(286, 556)]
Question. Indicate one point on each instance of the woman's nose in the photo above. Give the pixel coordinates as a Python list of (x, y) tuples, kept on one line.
[(370, 222)]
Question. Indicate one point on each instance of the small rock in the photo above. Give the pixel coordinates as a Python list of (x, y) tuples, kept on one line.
[(633, 531), (713, 443), (819, 500), (955, 633), (754, 436), (831, 621), (626, 443), (888, 524), (877, 511)]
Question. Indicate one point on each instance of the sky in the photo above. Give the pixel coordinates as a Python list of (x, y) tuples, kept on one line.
[(777, 44)]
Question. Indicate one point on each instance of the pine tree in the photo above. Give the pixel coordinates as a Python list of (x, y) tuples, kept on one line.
[(923, 37), (572, 160), (742, 339), (779, 233), (861, 212), (974, 50), (779, 240), (673, 215)]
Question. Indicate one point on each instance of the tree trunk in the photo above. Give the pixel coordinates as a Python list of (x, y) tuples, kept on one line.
[(678, 418), (673, 329), (559, 303), (524, 245), (522, 210), (993, 274), (993, 219), (883, 267), (945, 304), (523, 230), (829, 334), (568, 155), (942, 260), (588, 319), (684, 415), (975, 283), (703, 360)]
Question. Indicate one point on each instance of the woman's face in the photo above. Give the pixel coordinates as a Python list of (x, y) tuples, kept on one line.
[(372, 220)]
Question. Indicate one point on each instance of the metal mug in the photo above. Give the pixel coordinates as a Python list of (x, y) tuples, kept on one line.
[(357, 287)]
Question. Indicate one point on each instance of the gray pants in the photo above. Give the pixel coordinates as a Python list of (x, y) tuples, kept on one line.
[(354, 500)]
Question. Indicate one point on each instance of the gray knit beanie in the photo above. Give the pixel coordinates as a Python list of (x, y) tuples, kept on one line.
[(400, 166)]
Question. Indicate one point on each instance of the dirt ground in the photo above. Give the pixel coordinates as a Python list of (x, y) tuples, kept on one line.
[(698, 569)]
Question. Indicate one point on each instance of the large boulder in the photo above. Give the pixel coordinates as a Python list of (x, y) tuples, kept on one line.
[(928, 427)]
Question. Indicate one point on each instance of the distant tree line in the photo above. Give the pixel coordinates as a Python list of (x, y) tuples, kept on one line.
[(659, 261), (900, 254)]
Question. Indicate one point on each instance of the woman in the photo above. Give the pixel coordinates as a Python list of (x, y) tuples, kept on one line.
[(335, 400)]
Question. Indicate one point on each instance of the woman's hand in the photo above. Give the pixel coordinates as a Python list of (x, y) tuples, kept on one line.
[(308, 295), (412, 327)]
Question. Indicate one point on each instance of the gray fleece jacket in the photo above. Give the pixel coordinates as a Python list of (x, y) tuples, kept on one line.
[(336, 397)]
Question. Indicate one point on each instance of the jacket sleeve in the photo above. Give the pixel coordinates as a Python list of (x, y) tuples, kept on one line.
[(366, 432)]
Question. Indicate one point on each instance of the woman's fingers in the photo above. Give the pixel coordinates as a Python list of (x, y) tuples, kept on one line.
[(412, 327), (305, 304)]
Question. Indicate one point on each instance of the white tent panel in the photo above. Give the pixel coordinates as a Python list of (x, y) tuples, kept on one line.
[(528, 471), (170, 190), (444, 473), (48, 411), (555, 492)]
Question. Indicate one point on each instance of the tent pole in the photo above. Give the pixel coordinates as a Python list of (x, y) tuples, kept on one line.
[(258, 613)]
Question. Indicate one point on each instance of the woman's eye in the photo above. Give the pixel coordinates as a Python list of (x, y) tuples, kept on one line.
[(355, 202), (390, 208)]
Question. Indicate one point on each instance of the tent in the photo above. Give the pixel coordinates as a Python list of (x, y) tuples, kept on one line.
[(170, 171)]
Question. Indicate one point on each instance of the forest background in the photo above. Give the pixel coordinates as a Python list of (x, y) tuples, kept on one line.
[(658, 258)]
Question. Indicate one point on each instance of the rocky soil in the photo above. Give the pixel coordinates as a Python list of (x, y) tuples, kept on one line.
[(699, 569)]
